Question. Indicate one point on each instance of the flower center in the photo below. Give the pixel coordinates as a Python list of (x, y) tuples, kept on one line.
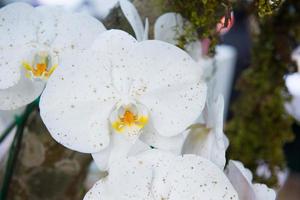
[(129, 117), (40, 67)]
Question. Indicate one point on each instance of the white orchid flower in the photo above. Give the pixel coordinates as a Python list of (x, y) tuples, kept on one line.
[(209, 140), (32, 44), (105, 98), (173, 144), (219, 70), (241, 179), (156, 175)]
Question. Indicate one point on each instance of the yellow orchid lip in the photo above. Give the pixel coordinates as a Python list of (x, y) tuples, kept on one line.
[(40, 69), (129, 119)]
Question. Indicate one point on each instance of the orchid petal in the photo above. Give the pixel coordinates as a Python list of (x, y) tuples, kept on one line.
[(138, 148), (190, 171), (263, 192), (128, 179), (134, 186), (172, 144), (16, 31), (101, 8), (167, 81), (97, 192), (203, 142), (118, 148), (240, 178), (21, 94), (77, 31), (177, 177), (209, 141), (10, 64), (101, 158), (161, 163), (169, 27), (49, 17), (133, 18), (16, 89), (17, 24), (77, 101), (161, 175), (116, 46), (195, 51)]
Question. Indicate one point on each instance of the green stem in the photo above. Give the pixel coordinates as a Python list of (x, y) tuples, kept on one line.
[(7, 131), (17, 121), (14, 150)]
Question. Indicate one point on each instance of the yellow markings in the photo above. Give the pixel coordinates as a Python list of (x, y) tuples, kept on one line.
[(39, 71), (52, 69), (128, 120), (27, 66)]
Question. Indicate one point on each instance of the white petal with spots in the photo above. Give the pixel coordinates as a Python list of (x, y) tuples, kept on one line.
[(76, 31), (77, 101), (168, 82), (17, 25), (115, 71), (128, 179), (27, 31), (156, 175), (194, 177)]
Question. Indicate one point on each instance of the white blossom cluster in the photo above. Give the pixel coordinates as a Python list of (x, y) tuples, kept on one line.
[(132, 103)]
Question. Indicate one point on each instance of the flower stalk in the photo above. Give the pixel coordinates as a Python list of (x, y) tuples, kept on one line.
[(15, 147)]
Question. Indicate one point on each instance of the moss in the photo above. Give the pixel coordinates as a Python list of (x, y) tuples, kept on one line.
[(260, 126), (203, 16), (267, 7)]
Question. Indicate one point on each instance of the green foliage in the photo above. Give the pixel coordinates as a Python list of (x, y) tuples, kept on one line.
[(260, 125), (267, 7), (203, 16)]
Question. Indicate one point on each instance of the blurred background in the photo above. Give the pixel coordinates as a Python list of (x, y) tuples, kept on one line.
[(255, 73)]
